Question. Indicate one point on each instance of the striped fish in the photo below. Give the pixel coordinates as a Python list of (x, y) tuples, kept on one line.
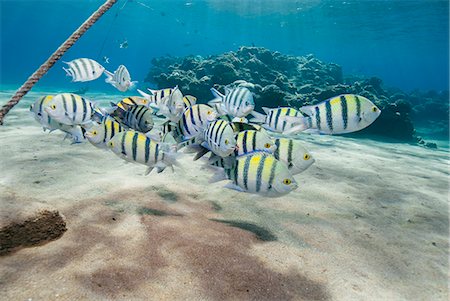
[(135, 147), (48, 123), (259, 173), (194, 120), (100, 134), (242, 126), (293, 154), (342, 114), (219, 138), (70, 109), (253, 141), (274, 119), (237, 102), (168, 102), (120, 79), (138, 117), (83, 70), (189, 101), (132, 101)]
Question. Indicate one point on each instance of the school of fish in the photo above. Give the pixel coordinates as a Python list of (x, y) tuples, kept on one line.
[(257, 155)]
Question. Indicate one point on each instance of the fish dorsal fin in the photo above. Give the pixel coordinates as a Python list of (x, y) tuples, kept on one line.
[(227, 90), (216, 93), (266, 110), (308, 110)]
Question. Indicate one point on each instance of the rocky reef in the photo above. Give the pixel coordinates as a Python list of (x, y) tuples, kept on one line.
[(282, 80)]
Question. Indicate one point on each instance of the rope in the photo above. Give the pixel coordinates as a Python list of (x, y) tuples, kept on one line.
[(37, 75)]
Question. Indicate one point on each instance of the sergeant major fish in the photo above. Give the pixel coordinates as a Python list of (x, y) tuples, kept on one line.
[(100, 134), (291, 152), (70, 109), (342, 114), (139, 118), (252, 141), (83, 70), (48, 123), (259, 173), (169, 102), (194, 120), (135, 147), (237, 102), (219, 138), (120, 79)]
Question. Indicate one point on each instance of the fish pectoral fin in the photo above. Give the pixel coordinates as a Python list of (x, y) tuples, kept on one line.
[(148, 170), (234, 187), (203, 151)]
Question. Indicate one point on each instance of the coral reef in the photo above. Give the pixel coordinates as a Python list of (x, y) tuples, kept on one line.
[(281, 80)]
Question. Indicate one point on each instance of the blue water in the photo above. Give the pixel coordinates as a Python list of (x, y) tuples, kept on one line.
[(406, 43)]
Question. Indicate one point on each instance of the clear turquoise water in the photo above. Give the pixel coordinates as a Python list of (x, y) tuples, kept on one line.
[(406, 43)]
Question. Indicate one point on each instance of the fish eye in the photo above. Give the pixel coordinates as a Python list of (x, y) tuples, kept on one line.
[(94, 133), (111, 144), (209, 112), (93, 72), (53, 107), (306, 157), (144, 101), (226, 141), (374, 109), (267, 145), (287, 181)]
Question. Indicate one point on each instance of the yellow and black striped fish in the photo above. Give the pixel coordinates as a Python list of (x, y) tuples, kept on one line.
[(253, 141), (100, 134), (342, 114), (274, 119), (189, 101), (138, 117), (48, 123), (132, 101), (219, 138), (259, 173), (291, 152), (70, 109), (133, 146), (194, 120)]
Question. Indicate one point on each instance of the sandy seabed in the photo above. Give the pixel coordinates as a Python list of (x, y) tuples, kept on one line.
[(368, 222)]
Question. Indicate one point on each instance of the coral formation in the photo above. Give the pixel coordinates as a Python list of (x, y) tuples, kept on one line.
[(281, 80)]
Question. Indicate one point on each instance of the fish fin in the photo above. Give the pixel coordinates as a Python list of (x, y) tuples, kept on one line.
[(145, 95), (234, 187), (68, 73), (227, 90), (266, 110), (308, 110), (109, 78), (133, 84), (148, 170), (296, 129), (258, 117), (203, 151), (152, 91), (217, 94)]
